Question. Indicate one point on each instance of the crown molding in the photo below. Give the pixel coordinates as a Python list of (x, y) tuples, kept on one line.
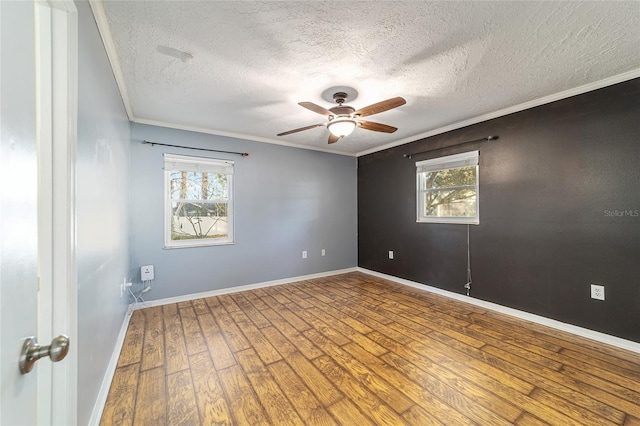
[(236, 136), (107, 40), (609, 81)]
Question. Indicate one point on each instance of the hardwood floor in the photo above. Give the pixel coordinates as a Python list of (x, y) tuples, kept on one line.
[(358, 350)]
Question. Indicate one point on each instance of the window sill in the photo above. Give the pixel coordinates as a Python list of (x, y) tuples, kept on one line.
[(226, 243), (451, 221)]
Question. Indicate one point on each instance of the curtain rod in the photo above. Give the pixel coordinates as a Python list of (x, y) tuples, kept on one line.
[(243, 154), (488, 138)]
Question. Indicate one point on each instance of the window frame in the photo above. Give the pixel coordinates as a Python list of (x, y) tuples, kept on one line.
[(197, 164), (465, 159)]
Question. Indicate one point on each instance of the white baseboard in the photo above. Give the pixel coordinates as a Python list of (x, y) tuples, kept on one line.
[(573, 329), (237, 289), (101, 399)]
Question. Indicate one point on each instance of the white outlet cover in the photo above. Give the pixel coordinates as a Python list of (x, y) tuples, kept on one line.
[(390, 254), (304, 254), (597, 292)]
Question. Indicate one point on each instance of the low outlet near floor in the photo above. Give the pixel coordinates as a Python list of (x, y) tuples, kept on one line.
[(597, 291)]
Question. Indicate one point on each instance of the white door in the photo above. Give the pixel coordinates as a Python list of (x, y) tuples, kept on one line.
[(36, 296)]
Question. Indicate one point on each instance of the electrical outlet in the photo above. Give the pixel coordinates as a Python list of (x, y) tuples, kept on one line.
[(390, 254), (123, 285), (597, 291), (304, 254), (322, 253)]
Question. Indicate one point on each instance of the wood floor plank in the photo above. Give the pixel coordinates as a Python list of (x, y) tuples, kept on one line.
[(212, 404), (578, 393), (462, 403), (286, 347), (632, 421), (151, 398), (416, 392), (529, 420), (131, 352), (229, 304), (311, 411), (245, 408), (273, 399), (185, 305), (534, 377), (201, 306), (576, 412), (192, 332), (348, 414), (289, 292), (417, 415), (231, 332), (220, 353), (174, 343), (153, 348), (205, 304), (346, 330), (254, 299), (118, 410), (588, 362), (250, 311), (313, 378), (301, 343), (448, 355), (354, 349), (181, 405), (295, 321), (390, 394), (371, 405), (265, 350), (326, 329)]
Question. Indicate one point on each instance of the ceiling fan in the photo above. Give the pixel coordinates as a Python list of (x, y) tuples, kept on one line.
[(343, 119)]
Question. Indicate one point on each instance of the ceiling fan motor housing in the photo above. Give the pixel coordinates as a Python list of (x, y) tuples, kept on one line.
[(342, 111)]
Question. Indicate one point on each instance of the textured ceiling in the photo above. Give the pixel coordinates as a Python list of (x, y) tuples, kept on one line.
[(246, 65)]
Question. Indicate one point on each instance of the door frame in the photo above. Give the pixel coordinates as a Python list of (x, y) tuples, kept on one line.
[(57, 115)]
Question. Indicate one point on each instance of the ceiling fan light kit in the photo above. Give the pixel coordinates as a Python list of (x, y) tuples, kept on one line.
[(341, 127), (343, 119)]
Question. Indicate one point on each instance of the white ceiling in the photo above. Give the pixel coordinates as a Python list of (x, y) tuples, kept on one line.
[(454, 62)]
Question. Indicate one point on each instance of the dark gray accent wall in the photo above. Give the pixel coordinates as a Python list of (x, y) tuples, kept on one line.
[(559, 210), (102, 175), (286, 200)]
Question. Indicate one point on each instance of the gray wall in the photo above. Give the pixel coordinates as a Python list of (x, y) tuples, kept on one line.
[(549, 191), (286, 200), (102, 208)]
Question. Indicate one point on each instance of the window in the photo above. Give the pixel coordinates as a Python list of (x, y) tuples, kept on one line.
[(447, 189), (198, 201)]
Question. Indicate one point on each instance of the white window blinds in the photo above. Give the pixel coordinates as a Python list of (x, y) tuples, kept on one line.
[(197, 164), (465, 159)]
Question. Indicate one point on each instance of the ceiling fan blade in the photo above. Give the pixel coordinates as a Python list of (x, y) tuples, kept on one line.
[(333, 138), (300, 129), (376, 127), (380, 107), (315, 108)]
